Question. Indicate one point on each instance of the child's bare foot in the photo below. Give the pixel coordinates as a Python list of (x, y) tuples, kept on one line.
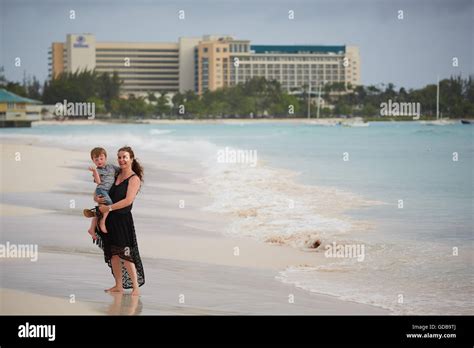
[(92, 233), (102, 226), (135, 292), (114, 289)]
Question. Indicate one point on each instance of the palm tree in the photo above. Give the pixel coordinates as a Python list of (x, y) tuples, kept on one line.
[(162, 106)]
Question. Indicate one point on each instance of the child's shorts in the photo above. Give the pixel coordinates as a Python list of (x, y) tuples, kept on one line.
[(104, 193)]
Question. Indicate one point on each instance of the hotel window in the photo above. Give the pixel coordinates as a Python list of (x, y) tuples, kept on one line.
[(218, 49), (205, 50), (224, 49)]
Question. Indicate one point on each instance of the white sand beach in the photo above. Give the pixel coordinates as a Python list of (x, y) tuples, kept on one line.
[(190, 266)]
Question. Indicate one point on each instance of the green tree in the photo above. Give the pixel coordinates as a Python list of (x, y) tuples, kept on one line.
[(162, 105)]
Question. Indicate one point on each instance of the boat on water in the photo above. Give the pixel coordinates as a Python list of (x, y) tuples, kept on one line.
[(355, 122), (467, 122), (322, 122), (439, 121)]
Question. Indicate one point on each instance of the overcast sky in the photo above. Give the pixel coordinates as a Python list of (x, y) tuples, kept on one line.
[(409, 52)]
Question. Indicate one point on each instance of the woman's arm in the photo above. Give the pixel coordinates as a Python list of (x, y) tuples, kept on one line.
[(132, 190)]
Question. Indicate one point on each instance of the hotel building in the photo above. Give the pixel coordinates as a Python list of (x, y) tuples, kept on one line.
[(206, 63)]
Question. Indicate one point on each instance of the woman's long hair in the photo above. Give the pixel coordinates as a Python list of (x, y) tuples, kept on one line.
[(136, 166)]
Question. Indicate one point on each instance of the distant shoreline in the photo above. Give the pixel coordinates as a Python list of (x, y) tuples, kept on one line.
[(320, 121)]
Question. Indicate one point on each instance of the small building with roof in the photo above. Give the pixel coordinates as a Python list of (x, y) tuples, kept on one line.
[(17, 111)]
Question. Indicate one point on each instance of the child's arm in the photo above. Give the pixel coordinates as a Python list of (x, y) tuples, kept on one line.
[(95, 175)]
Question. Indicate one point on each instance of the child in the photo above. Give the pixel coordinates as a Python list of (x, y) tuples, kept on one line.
[(104, 177)]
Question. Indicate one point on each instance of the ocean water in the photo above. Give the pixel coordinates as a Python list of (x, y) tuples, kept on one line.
[(402, 190)]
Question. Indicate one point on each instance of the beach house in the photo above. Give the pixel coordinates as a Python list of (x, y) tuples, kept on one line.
[(17, 111)]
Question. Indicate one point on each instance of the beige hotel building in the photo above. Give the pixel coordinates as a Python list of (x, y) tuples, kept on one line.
[(205, 63)]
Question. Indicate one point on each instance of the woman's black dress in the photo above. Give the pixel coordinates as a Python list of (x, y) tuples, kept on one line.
[(121, 239)]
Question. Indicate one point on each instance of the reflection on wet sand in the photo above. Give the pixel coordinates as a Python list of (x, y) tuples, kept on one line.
[(125, 304)]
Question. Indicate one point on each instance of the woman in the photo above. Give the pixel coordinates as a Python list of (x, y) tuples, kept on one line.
[(120, 243)]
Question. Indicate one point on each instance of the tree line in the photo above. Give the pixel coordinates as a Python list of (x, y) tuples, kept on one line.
[(256, 97)]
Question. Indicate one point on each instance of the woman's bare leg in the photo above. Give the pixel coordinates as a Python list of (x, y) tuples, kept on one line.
[(117, 268), (132, 272)]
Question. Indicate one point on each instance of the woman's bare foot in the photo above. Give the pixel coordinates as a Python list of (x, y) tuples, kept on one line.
[(114, 289), (92, 233), (135, 292)]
